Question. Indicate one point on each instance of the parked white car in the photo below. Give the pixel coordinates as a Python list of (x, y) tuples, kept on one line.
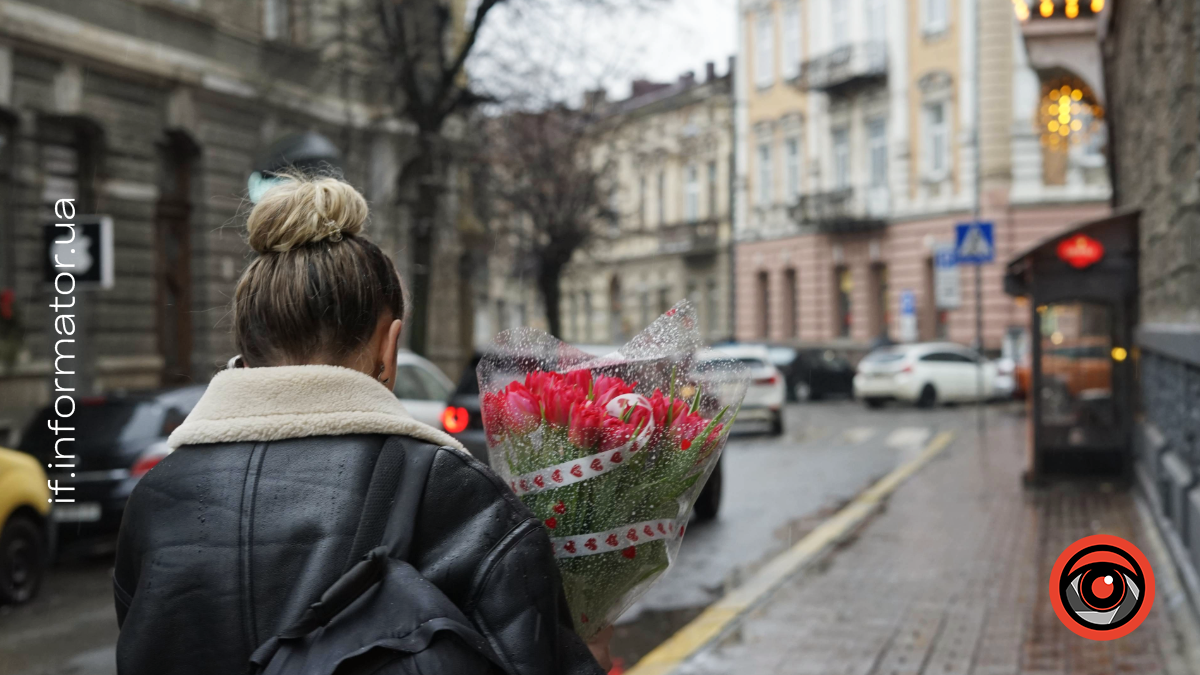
[(925, 374), (422, 387), (765, 396)]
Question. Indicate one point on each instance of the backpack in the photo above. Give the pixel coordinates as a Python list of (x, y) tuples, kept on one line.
[(382, 617)]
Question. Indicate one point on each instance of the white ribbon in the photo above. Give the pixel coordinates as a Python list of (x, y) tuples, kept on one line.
[(578, 470), (617, 539)]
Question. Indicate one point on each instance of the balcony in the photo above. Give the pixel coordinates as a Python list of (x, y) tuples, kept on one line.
[(844, 68), (695, 238), (843, 211)]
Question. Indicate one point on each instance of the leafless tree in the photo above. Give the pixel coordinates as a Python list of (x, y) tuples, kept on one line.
[(423, 46), (553, 191)]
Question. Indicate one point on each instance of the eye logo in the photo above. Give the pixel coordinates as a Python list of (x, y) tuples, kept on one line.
[(1102, 587)]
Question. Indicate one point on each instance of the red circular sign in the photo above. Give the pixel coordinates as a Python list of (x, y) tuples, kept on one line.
[(1080, 251), (1102, 587)]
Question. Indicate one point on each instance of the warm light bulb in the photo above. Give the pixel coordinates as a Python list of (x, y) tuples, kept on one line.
[(1064, 130), (1077, 95), (1119, 354), (1052, 126), (1072, 11), (1097, 5), (1076, 125), (1046, 8)]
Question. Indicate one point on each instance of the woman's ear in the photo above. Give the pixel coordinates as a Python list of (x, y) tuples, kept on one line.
[(387, 353)]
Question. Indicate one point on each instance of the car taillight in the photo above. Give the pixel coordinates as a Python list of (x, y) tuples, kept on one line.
[(907, 369), (147, 461), (767, 380), (455, 419)]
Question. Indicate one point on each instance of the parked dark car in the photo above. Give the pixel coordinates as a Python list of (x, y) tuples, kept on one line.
[(813, 373), (120, 438), (464, 421)]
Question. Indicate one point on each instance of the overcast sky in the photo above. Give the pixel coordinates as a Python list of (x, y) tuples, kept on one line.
[(574, 48)]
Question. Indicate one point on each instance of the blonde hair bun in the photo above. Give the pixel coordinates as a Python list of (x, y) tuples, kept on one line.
[(304, 210)]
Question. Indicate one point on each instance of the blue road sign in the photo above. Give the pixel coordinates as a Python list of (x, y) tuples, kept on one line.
[(974, 243), (945, 256), (908, 302)]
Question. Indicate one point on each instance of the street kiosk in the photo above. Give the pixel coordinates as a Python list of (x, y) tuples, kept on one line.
[(1081, 288)]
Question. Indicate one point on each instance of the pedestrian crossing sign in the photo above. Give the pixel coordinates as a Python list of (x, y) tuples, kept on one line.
[(974, 243)]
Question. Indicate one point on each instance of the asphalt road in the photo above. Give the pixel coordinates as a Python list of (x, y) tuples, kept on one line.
[(776, 490)]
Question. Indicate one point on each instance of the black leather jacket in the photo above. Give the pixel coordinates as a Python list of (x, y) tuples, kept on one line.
[(222, 546)]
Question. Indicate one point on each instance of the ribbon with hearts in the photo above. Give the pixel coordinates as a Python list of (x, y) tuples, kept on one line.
[(578, 470), (623, 539)]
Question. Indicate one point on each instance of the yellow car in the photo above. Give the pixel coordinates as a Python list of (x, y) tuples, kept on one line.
[(25, 534)]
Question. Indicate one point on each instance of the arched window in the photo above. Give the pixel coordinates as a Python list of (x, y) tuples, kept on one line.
[(1073, 132)]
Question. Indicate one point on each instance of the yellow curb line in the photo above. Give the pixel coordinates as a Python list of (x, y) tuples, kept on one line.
[(719, 616)]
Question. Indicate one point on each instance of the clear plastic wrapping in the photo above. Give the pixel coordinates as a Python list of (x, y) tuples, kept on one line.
[(610, 452)]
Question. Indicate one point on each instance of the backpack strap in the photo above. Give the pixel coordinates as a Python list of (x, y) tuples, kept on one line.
[(385, 530), (393, 495)]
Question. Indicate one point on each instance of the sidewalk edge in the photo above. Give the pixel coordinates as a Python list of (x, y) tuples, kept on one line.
[(723, 615)]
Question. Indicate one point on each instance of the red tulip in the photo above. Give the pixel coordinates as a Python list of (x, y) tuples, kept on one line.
[(557, 404), (523, 412), (587, 422)]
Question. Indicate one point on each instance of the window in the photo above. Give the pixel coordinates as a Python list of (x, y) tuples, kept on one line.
[(691, 194), (276, 22), (642, 200), (764, 55), (764, 175), (841, 158), (647, 311), (845, 287), (790, 300), (408, 385), (764, 305), (936, 141), (877, 148), (791, 40), (792, 169), (840, 22), (662, 197), (713, 191), (935, 15), (435, 389)]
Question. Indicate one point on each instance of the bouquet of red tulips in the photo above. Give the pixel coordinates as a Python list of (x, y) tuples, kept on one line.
[(611, 451)]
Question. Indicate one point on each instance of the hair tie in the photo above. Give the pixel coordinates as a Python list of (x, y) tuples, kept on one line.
[(335, 232)]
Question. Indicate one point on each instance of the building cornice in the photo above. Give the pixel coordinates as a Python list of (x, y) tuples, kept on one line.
[(61, 34)]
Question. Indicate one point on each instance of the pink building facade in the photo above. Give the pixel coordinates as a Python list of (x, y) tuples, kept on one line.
[(847, 288)]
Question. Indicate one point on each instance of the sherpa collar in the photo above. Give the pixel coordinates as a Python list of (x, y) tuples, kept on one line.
[(271, 404)]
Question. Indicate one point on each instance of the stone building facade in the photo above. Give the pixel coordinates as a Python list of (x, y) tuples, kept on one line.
[(1151, 60), (152, 112), (671, 149), (857, 155)]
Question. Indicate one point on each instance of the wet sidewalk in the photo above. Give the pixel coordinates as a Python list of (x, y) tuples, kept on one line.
[(951, 579)]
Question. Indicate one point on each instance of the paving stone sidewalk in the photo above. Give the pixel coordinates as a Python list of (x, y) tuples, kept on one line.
[(951, 579)]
